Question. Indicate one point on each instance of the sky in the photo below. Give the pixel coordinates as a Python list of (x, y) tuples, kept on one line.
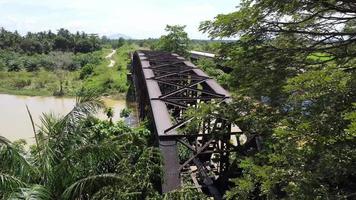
[(138, 19)]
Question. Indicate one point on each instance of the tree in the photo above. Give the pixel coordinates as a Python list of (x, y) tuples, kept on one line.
[(44, 42), (121, 42), (31, 64), (80, 157), (293, 68), (175, 41), (274, 38), (14, 65)]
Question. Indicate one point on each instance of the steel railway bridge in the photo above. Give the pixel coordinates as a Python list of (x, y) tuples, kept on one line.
[(166, 86)]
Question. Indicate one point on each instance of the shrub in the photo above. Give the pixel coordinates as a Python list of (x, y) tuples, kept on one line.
[(31, 64), (14, 65), (86, 71)]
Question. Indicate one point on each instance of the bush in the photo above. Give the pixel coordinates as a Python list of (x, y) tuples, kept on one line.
[(2, 65), (86, 71), (31, 64), (14, 66)]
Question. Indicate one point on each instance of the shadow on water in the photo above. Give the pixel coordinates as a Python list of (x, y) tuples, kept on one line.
[(131, 103)]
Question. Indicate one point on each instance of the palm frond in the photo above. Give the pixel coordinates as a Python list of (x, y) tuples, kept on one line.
[(85, 106), (86, 159), (102, 151), (13, 162), (50, 125), (63, 131), (45, 163), (90, 185), (33, 124), (4, 141), (9, 182), (112, 192), (35, 192)]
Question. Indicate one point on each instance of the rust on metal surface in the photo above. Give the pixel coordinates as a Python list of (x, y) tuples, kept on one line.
[(166, 86)]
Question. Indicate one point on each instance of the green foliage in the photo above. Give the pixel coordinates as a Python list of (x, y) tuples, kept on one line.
[(351, 116), (120, 43), (78, 157), (65, 73), (211, 68), (114, 43), (54, 60), (125, 112), (45, 42), (86, 71), (40, 82), (296, 86), (175, 41), (34, 192), (206, 46), (111, 80), (185, 193)]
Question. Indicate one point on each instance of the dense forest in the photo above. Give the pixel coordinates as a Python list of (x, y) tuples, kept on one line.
[(292, 78)]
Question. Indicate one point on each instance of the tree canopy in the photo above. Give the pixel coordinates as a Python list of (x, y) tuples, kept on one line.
[(294, 79), (175, 41), (47, 41)]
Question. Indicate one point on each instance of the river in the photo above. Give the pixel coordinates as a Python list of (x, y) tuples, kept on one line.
[(15, 123)]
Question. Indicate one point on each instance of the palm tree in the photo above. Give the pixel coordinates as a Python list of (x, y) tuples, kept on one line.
[(19, 172), (15, 170), (70, 162)]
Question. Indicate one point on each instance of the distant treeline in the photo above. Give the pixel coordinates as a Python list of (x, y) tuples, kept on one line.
[(47, 41), (14, 61), (210, 46)]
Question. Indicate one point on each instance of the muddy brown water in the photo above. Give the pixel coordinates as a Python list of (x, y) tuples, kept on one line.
[(15, 123)]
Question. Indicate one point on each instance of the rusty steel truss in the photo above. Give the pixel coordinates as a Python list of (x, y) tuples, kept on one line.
[(166, 86)]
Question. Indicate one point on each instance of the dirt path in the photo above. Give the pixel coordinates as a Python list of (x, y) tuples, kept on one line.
[(112, 62)]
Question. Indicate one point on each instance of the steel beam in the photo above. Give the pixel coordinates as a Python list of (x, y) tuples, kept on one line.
[(169, 85)]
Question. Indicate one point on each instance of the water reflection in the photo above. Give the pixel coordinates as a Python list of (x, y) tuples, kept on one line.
[(15, 123)]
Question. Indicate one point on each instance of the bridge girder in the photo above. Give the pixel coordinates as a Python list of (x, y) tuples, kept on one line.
[(166, 86)]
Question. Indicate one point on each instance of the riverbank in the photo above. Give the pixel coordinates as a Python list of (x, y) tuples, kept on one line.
[(13, 109), (106, 81)]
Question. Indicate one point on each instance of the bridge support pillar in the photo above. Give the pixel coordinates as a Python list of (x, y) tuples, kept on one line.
[(171, 165)]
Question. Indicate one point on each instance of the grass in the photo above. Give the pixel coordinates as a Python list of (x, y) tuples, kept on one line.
[(105, 80), (111, 80), (40, 83)]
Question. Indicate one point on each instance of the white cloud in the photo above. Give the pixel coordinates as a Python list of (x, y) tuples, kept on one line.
[(137, 18)]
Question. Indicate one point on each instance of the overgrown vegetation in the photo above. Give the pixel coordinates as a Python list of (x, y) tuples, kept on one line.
[(293, 83), (79, 157), (294, 80), (110, 80), (63, 73), (62, 65)]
